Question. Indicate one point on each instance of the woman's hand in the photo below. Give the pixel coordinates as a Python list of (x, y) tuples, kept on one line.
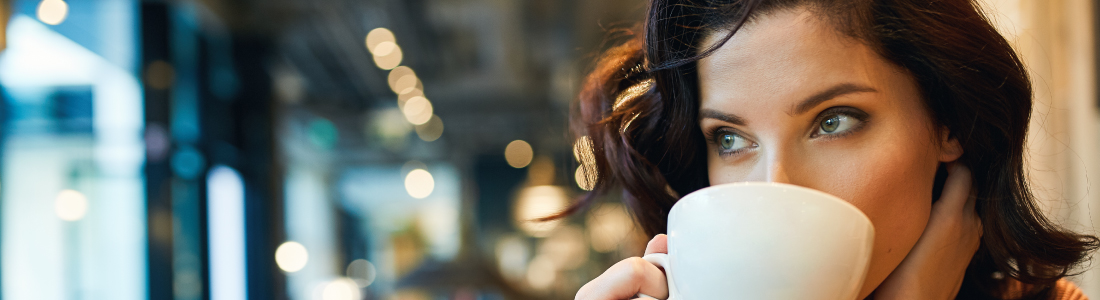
[(934, 269), (629, 277)]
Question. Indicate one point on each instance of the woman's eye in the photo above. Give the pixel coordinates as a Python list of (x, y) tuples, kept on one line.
[(836, 124), (732, 142)]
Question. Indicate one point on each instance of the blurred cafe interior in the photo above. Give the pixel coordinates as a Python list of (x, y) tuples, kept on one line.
[(365, 149)]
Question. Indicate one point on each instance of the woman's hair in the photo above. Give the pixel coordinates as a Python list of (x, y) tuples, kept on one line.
[(639, 106)]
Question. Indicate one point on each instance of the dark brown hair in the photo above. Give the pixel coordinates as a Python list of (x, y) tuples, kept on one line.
[(639, 109)]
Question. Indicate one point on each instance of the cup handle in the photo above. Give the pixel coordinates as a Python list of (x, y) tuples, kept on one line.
[(661, 260)]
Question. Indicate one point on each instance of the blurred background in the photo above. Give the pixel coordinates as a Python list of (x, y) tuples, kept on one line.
[(364, 149)]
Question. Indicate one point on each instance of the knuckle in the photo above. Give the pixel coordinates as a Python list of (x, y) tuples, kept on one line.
[(636, 268)]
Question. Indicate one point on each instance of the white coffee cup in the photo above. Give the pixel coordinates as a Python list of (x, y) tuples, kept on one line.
[(757, 240)]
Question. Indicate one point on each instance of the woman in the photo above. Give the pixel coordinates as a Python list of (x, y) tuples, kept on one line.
[(915, 111)]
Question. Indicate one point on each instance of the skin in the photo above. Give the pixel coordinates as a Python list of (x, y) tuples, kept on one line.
[(765, 98)]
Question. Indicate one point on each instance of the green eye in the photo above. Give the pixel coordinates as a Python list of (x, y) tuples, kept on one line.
[(731, 141), (829, 125), (837, 124)]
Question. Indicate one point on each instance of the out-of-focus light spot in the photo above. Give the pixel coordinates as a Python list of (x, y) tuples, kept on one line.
[(157, 142), (323, 134), (362, 272), (608, 224), (70, 205), (225, 219), (404, 98), (390, 60), (384, 48), (378, 36), (396, 74), (537, 202), (188, 163), (541, 273), (341, 289), (406, 84), (418, 110), (512, 255), (566, 247), (431, 130), (419, 183), (160, 75), (52, 12), (291, 257), (518, 153), (586, 180)]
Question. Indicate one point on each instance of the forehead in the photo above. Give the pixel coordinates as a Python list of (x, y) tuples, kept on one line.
[(782, 56)]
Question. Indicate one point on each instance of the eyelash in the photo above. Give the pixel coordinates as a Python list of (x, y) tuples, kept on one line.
[(712, 135)]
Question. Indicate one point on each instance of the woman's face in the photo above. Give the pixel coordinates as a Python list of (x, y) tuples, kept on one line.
[(790, 99)]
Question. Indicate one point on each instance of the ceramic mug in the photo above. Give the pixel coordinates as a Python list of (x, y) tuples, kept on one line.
[(756, 240)]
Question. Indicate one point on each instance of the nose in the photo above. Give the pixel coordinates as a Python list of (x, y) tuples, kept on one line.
[(777, 171)]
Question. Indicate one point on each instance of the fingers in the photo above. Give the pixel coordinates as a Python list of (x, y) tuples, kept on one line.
[(659, 244), (956, 194), (625, 280)]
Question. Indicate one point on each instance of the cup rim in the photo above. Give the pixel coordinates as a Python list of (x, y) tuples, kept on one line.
[(832, 197)]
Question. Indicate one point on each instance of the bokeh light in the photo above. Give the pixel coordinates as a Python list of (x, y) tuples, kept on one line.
[(71, 205), (419, 183), (541, 273), (538, 202), (160, 75), (402, 79), (379, 36), (418, 110), (431, 130), (391, 60), (323, 134), (565, 247), (341, 289), (291, 256), (607, 226), (404, 98), (362, 272), (53, 12), (519, 154)]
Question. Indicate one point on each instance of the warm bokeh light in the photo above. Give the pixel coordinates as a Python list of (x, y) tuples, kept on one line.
[(608, 225), (291, 257), (404, 98), (362, 272), (406, 84), (431, 130), (419, 183), (71, 205), (418, 110), (538, 202), (341, 289), (391, 60), (566, 247), (397, 74), (379, 36), (518, 153), (53, 12), (541, 273)]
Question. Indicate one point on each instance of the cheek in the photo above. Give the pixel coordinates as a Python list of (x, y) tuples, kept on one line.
[(892, 184)]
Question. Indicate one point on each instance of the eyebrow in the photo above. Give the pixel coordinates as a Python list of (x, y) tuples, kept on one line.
[(802, 107), (835, 91)]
